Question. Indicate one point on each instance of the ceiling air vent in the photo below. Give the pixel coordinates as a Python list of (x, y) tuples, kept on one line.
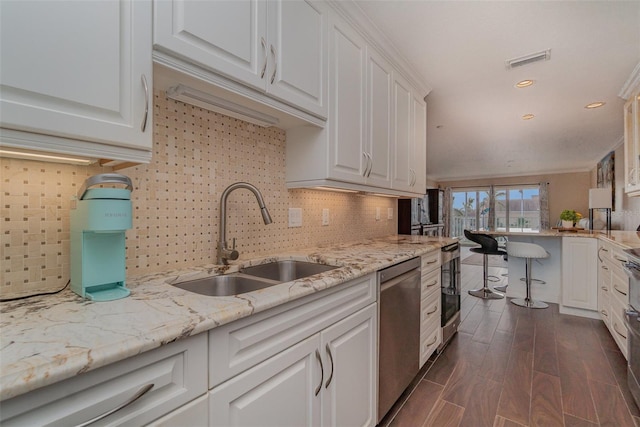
[(545, 55)]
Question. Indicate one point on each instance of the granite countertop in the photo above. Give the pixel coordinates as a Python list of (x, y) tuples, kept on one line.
[(625, 239), (50, 338)]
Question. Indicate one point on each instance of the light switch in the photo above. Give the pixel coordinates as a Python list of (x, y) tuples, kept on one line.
[(325, 216), (295, 217), (377, 213), (389, 213)]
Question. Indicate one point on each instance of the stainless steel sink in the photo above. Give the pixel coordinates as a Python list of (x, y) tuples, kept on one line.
[(225, 285), (285, 271), (253, 278)]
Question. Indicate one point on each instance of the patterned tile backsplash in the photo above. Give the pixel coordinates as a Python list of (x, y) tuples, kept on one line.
[(197, 154)]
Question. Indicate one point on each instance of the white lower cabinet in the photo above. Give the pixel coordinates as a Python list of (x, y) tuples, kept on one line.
[(176, 371), (309, 363), (324, 380), (430, 305), (579, 273), (613, 292)]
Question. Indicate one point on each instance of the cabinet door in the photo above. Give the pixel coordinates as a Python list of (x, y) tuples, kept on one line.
[(379, 128), (630, 149), (76, 70), (579, 273), (347, 60), (350, 380), (419, 157), (403, 146), (280, 391), (297, 66), (228, 37)]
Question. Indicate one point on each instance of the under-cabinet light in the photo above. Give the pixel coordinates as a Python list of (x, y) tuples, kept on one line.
[(213, 103), (339, 190), (26, 155)]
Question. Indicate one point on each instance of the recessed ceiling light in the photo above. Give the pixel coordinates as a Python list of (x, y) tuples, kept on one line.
[(528, 117), (594, 105), (524, 83)]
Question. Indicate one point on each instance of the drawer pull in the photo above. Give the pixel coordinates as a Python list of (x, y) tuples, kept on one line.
[(604, 312), (264, 49), (331, 359), (321, 372), (433, 342), (604, 288), (615, 328), (145, 86), (133, 398), (616, 288), (622, 260), (601, 249), (604, 267), (432, 311), (432, 262), (435, 282)]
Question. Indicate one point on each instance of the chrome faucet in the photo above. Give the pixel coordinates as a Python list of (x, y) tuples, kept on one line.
[(223, 252)]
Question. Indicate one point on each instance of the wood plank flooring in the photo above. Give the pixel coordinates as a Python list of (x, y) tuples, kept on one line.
[(509, 366)]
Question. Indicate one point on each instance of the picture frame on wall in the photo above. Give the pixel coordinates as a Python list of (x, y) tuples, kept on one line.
[(606, 176)]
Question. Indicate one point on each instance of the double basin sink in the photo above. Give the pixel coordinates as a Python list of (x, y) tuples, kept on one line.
[(254, 278)]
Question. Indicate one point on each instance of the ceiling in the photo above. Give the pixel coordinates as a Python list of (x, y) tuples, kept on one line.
[(474, 112)]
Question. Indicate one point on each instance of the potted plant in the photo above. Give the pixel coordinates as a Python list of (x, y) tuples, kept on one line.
[(568, 217)]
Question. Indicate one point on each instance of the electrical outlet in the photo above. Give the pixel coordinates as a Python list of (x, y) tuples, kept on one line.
[(389, 213), (295, 217), (377, 214), (325, 216)]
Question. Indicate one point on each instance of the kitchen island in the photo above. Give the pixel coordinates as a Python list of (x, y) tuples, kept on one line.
[(47, 339), (550, 270)]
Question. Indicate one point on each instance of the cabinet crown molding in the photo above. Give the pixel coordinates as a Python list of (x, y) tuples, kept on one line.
[(631, 84)]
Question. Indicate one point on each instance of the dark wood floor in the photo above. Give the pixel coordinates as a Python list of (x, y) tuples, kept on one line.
[(510, 366)]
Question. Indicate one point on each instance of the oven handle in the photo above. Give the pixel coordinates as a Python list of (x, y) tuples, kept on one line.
[(632, 270), (632, 322)]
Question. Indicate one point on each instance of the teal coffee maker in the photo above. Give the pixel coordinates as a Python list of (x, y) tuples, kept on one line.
[(99, 219)]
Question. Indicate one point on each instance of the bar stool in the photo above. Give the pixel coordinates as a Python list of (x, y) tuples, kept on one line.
[(488, 246), (528, 251)]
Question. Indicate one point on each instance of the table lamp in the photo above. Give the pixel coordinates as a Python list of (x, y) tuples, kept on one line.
[(600, 198)]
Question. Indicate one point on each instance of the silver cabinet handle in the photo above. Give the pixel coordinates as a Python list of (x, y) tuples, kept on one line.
[(367, 167), (615, 328), (143, 127), (264, 49), (432, 261), (432, 311), (370, 163), (332, 368), (321, 372), (433, 342), (275, 64), (604, 288), (435, 282), (604, 267), (622, 260), (601, 249), (616, 288), (132, 399)]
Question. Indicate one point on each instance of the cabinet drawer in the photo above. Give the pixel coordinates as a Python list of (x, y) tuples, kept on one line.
[(429, 342), (430, 312), (620, 288), (240, 345), (175, 370), (430, 261), (619, 332), (430, 283)]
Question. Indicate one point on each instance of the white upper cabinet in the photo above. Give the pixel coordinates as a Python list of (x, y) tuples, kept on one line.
[(375, 120), (403, 175), (379, 124), (275, 47), (76, 77), (419, 159), (632, 144), (347, 82)]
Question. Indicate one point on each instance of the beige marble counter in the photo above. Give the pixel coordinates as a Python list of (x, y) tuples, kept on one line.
[(50, 338), (625, 239)]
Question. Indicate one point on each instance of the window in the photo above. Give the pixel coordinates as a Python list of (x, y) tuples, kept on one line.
[(517, 208), (469, 210)]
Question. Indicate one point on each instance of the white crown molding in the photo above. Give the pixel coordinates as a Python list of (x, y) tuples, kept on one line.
[(351, 12), (632, 83)]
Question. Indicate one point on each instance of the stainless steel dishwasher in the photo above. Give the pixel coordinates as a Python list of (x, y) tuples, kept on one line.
[(399, 334)]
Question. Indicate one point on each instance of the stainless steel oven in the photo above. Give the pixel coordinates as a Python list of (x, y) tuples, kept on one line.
[(450, 283), (632, 320)]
